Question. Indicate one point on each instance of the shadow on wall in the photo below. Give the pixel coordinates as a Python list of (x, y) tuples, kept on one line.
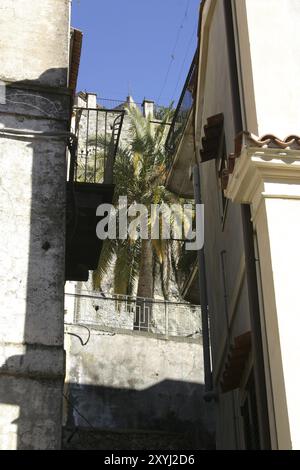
[(173, 408), (31, 378), (32, 315)]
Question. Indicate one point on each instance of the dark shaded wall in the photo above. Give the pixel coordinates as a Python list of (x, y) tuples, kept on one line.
[(138, 383)]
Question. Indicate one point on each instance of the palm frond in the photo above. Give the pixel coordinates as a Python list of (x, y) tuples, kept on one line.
[(107, 255), (139, 173), (125, 269)]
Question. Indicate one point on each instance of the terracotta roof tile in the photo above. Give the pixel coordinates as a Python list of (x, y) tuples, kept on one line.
[(269, 141)]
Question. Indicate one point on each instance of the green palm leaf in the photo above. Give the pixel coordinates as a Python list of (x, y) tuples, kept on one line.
[(139, 173)]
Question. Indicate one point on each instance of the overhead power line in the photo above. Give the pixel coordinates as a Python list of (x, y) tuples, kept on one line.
[(183, 62), (172, 57)]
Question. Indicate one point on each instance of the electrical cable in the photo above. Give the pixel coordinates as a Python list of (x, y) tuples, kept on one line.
[(72, 145), (71, 142), (83, 417), (100, 332), (174, 49), (183, 63), (77, 336), (133, 299), (78, 412), (36, 134)]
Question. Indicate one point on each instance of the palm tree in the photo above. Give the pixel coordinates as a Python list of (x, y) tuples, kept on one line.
[(139, 173)]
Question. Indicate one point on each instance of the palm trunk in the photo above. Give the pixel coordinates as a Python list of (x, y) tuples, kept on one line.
[(145, 288), (165, 274), (145, 284)]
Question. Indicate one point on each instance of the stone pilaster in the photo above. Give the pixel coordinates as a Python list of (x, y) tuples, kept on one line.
[(34, 38), (268, 178)]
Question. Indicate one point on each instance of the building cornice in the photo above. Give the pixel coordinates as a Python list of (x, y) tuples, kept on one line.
[(262, 161)]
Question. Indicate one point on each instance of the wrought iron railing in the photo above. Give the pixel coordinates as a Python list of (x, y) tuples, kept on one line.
[(182, 112), (179, 319), (98, 134)]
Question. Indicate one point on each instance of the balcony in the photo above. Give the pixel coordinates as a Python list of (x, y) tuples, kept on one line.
[(180, 140), (89, 184), (121, 313)]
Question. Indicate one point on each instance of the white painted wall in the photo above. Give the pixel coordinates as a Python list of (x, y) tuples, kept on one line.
[(269, 180), (283, 222), (270, 48)]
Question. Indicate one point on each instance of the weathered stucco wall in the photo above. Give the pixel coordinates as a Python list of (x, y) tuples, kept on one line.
[(34, 39), (34, 45), (224, 245), (264, 34), (137, 382)]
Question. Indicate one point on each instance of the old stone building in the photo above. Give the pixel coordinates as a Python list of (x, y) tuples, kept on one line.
[(129, 385), (234, 146), (34, 131), (48, 220)]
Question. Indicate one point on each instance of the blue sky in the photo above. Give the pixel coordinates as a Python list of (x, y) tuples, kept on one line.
[(129, 46)]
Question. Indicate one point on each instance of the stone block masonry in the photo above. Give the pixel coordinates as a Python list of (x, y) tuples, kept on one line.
[(34, 61)]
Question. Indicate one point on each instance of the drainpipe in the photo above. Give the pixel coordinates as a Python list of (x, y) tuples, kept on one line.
[(209, 393), (251, 275)]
